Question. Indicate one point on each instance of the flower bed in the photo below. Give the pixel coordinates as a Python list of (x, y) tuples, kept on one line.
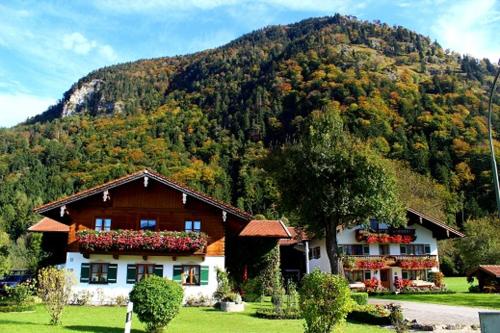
[(127, 240), (384, 239), (370, 264), (417, 263)]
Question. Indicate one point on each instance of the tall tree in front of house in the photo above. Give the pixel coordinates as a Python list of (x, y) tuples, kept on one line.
[(330, 180)]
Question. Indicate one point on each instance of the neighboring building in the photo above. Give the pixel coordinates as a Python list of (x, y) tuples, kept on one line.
[(379, 251), (113, 235), (488, 277)]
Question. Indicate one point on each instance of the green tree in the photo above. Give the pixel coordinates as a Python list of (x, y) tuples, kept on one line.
[(482, 244), (4, 253), (329, 181)]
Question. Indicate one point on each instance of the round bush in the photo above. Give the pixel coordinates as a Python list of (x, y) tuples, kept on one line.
[(156, 302), (360, 298), (325, 301)]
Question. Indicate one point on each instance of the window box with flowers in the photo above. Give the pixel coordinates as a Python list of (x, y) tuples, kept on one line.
[(417, 263), (370, 264), (140, 240)]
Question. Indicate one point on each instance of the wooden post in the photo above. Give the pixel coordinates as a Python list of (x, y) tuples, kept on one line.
[(128, 318), (306, 244)]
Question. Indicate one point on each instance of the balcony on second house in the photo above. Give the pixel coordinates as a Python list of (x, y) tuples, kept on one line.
[(386, 235), (141, 242), (374, 262)]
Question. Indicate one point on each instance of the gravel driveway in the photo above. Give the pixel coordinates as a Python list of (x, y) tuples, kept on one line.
[(437, 314)]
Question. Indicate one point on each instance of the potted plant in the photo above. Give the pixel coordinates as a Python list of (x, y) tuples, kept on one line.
[(227, 300)]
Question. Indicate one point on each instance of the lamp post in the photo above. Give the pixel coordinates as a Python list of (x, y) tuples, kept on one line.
[(492, 149)]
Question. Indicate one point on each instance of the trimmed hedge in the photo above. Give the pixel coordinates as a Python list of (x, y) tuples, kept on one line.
[(369, 318), (360, 298), (271, 314)]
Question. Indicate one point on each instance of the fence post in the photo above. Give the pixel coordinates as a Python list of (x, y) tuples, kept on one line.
[(128, 318)]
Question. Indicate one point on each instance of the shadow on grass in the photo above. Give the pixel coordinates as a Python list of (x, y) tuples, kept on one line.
[(19, 322), (98, 329)]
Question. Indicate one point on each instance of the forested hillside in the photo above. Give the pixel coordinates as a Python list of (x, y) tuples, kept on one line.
[(208, 119)]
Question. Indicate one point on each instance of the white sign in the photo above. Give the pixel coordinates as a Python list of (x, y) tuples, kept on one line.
[(128, 318)]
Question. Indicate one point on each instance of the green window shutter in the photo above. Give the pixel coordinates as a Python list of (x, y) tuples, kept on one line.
[(112, 271), (204, 275), (131, 273), (177, 277), (366, 249), (404, 275), (402, 249), (84, 273), (427, 249), (159, 270)]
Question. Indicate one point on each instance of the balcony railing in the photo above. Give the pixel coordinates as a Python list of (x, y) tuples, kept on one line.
[(172, 242), (386, 261), (384, 236)]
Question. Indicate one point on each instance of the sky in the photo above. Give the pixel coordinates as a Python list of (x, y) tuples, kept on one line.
[(46, 46)]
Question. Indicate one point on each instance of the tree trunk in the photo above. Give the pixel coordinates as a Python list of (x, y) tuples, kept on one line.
[(332, 248)]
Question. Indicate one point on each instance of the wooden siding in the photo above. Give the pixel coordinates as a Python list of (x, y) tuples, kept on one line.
[(132, 202)]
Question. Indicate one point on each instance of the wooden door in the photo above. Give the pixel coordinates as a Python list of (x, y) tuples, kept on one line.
[(384, 278)]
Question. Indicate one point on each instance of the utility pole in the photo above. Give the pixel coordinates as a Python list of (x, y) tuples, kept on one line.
[(492, 149)]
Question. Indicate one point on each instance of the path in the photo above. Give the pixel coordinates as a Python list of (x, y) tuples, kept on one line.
[(438, 314)]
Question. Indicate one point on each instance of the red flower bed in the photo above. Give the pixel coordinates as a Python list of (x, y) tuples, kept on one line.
[(120, 240), (371, 284), (370, 264), (417, 263), (383, 238)]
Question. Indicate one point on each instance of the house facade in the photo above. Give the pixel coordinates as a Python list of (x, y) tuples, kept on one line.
[(115, 234), (378, 252)]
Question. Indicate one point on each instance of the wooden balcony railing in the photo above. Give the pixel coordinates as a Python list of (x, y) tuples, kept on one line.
[(384, 236), (386, 261)]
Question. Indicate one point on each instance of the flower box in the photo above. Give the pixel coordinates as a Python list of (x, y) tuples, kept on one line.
[(139, 240), (370, 264), (417, 263)]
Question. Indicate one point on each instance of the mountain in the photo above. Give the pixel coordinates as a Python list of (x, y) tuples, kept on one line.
[(208, 118)]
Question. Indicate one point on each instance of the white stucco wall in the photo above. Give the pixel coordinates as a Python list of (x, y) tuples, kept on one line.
[(122, 288), (348, 236)]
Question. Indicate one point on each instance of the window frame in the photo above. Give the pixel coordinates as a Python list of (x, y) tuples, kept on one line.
[(365, 274), (191, 275), (100, 272), (384, 246), (365, 249), (415, 274), (148, 227), (146, 271), (414, 251), (192, 227), (103, 225)]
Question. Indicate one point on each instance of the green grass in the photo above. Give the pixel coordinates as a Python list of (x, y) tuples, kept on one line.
[(462, 296), (111, 320)]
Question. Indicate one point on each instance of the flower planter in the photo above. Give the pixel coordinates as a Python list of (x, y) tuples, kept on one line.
[(232, 307), (139, 240)]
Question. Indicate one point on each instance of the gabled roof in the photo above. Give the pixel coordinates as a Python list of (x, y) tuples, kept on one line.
[(297, 235), (48, 225), (266, 228), (137, 175), (493, 270), (441, 230)]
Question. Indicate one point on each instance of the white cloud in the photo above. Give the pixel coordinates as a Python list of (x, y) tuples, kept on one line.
[(470, 27), (327, 6), (79, 44), (16, 108)]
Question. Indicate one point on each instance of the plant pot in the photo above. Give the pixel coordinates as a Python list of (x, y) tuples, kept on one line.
[(232, 307)]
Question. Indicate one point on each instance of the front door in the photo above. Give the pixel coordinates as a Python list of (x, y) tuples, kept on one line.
[(384, 278)]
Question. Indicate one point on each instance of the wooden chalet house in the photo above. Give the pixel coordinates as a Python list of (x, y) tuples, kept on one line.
[(377, 252), (115, 234)]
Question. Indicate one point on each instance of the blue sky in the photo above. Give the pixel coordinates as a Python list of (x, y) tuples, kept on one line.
[(45, 46)]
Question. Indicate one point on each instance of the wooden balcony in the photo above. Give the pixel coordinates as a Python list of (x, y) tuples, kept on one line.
[(384, 236), (386, 261)]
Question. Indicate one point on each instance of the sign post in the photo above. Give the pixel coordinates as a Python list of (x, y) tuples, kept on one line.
[(128, 318)]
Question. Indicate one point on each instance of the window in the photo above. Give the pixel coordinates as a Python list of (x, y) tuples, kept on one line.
[(99, 273), (148, 224), (144, 271), (420, 274), (383, 249), (374, 224), (102, 224), (358, 276), (192, 226), (191, 275), (415, 249), (356, 249)]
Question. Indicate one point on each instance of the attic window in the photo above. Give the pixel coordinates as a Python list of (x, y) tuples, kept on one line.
[(192, 226), (148, 224)]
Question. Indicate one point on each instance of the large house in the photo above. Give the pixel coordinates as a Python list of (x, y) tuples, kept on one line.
[(113, 235), (377, 252)]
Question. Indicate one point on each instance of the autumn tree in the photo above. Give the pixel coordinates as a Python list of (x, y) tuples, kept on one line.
[(331, 181)]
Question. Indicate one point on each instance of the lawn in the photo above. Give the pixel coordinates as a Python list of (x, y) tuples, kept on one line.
[(462, 296), (111, 320)]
